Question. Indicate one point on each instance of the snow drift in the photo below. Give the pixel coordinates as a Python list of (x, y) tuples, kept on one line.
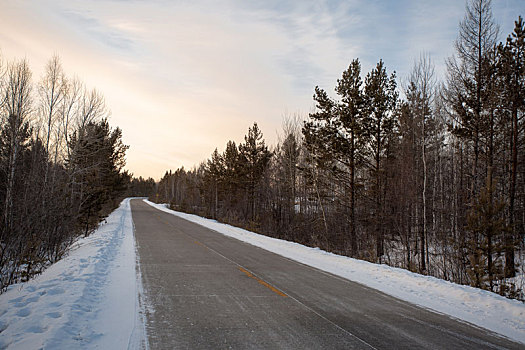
[(89, 299)]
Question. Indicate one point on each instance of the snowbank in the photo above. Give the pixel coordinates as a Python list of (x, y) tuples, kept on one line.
[(89, 299), (479, 307)]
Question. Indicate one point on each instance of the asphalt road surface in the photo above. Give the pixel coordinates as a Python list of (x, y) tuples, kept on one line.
[(208, 291)]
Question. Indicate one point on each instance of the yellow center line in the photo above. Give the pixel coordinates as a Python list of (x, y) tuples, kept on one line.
[(248, 273), (266, 284)]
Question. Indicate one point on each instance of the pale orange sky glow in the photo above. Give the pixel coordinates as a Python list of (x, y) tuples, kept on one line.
[(182, 78)]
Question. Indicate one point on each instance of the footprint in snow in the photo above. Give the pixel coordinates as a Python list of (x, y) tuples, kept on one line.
[(21, 304), (56, 291), (83, 263), (54, 314), (24, 312), (37, 329), (48, 285), (33, 299), (16, 300), (81, 308)]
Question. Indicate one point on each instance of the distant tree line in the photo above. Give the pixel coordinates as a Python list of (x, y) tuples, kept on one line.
[(60, 166), (433, 182), (140, 187)]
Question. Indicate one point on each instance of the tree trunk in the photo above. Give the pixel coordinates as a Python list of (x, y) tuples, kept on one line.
[(353, 238), (510, 269), (424, 195)]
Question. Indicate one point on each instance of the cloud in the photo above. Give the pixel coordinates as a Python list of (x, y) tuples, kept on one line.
[(112, 37), (184, 77)]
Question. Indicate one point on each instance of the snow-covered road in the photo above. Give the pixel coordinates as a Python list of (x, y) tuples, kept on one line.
[(89, 299)]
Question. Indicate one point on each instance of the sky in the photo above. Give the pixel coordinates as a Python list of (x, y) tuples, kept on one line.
[(181, 78)]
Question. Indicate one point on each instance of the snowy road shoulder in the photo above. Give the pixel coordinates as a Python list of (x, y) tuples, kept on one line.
[(478, 307), (89, 299)]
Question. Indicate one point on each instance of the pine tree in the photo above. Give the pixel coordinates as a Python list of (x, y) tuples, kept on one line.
[(380, 126), (486, 222), (255, 158), (470, 86), (232, 177), (511, 74), (335, 134), (214, 177), (95, 163)]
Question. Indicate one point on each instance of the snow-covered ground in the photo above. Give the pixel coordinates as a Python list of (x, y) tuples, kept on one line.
[(88, 300), (479, 307)]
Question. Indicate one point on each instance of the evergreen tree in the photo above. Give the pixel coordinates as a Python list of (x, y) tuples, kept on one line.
[(232, 177), (335, 133), (214, 177), (255, 158), (95, 163), (486, 222), (511, 76), (470, 86), (380, 127)]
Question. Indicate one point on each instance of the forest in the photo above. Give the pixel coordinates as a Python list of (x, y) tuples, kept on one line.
[(425, 175), (60, 166)]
